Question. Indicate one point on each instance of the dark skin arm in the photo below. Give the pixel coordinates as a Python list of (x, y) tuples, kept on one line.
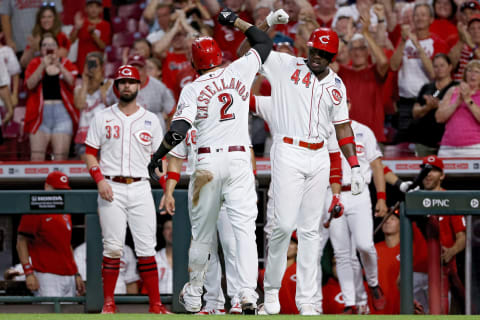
[(345, 130)]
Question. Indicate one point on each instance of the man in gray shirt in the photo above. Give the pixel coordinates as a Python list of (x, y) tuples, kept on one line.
[(153, 95), (18, 19)]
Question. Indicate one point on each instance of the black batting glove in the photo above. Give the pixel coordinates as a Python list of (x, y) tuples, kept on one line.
[(155, 162), (227, 17)]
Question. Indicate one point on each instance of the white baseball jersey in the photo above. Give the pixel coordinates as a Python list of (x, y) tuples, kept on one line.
[(264, 109), (165, 273), (128, 267), (127, 142), (303, 106), (367, 151), (217, 97)]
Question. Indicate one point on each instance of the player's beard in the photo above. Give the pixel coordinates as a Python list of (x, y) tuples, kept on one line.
[(126, 98)]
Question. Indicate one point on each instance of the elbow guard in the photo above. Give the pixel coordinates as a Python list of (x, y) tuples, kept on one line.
[(259, 41), (178, 132)]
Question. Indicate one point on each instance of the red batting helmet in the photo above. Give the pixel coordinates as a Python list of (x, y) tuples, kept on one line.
[(206, 53), (324, 39), (127, 72)]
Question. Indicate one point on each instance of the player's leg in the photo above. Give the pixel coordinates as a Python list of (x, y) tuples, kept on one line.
[(270, 218), (308, 231), (361, 225), (214, 298), (62, 132), (206, 185), (142, 221), (361, 296), (227, 239), (113, 221), (341, 243), (287, 189), (241, 205), (38, 145)]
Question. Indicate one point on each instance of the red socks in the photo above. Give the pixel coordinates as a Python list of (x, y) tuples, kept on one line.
[(147, 267), (110, 271)]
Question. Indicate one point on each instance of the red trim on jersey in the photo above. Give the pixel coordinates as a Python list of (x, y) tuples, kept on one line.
[(91, 150), (146, 82), (256, 55), (182, 118), (176, 155), (310, 115), (130, 141), (341, 121), (318, 108), (121, 152)]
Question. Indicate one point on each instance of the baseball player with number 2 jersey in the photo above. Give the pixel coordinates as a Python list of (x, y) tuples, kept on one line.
[(127, 135), (217, 104), (307, 97)]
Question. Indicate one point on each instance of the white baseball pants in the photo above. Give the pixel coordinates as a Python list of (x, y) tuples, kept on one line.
[(233, 184), (132, 204), (354, 231), (54, 285), (299, 183)]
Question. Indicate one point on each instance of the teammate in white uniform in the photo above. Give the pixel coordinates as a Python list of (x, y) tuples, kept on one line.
[(127, 135), (307, 97), (128, 276), (214, 297), (217, 104), (354, 230)]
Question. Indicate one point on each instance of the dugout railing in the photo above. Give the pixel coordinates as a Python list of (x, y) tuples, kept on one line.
[(85, 202), (421, 203)]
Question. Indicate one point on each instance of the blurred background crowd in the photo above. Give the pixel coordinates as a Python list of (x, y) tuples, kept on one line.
[(410, 67)]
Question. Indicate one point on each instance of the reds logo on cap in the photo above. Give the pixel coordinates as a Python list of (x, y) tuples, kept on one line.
[(144, 137), (322, 39), (126, 72)]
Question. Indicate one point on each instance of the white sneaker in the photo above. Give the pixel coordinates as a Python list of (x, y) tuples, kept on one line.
[(261, 310), (191, 298), (272, 303), (308, 310)]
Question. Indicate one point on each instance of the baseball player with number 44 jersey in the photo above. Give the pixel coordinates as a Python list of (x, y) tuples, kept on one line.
[(127, 135), (307, 97), (216, 103)]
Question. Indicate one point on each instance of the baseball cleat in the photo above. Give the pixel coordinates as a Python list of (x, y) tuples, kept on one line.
[(191, 298), (236, 309), (109, 307), (261, 310), (363, 309), (350, 310), (308, 309), (159, 309), (377, 297), (272, 303), (206, 311), (249, 304)]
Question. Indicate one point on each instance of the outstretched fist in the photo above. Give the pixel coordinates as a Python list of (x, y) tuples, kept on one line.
[(277, 17), (227, 17)]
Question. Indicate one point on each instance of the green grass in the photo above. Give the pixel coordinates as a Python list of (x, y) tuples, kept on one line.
[(131, 316)]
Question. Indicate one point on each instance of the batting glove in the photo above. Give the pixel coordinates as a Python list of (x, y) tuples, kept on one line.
[(405, 185), (227, 17), (357, 182), (155, 162), (336, 206), (277, 17)]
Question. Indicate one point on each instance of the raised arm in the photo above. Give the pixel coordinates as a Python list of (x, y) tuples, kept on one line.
[(381, 61), (446, 108)]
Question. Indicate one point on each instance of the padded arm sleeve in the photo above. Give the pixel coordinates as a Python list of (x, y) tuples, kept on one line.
[(259, 41)]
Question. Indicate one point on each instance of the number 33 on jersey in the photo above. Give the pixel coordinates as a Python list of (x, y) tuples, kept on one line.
[(217, 102)]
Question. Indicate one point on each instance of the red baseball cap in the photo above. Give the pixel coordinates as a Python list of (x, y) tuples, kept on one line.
[(434, 161), (137, 60), (474, 17), (58, 180)]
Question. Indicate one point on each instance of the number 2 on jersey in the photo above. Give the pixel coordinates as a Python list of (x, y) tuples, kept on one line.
[(296, 77), (227, 100)]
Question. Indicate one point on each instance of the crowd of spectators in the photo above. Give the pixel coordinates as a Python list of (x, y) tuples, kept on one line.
[(404, 64)]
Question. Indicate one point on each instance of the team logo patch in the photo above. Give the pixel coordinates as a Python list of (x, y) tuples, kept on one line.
[(148, 123), (144, 137), (360, 149), (337, 96), (180, 108)]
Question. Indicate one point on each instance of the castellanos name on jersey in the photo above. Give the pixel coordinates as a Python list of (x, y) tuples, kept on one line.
[(217, 103)]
